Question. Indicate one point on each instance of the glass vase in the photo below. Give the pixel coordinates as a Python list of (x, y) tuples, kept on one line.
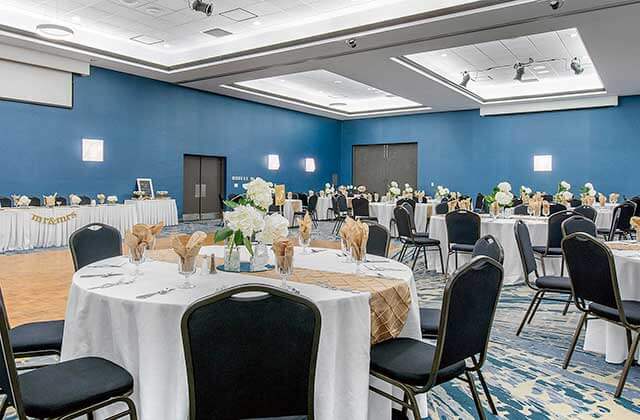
[(260, 257), (232, 259)]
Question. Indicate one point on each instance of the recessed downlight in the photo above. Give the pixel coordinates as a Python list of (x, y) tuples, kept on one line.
[(54, 31), (130, 3), (337, 104)]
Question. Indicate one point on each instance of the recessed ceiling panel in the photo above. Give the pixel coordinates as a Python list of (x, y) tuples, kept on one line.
[(328, 90), (535, 66)]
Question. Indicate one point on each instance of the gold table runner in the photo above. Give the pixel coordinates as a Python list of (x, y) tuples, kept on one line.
[(623, 246), (390, 300)]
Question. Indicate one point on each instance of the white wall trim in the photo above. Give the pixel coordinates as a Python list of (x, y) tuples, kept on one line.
[(560, 104), (40, 59)]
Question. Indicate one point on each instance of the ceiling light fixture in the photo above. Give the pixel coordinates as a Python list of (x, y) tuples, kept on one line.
[(201, 6), (466, 78), (576, 66), (520, 69), (54, 30)]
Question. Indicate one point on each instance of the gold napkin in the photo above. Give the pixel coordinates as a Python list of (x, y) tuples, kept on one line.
[(589, 200), (494, 208), (283, 252), (141, 237), (188, 247), (635, 223), (358, 237), (305, 227), (524, 197), (345, 230), (546, 207), (602, 200), (452, 205), (50, 200)]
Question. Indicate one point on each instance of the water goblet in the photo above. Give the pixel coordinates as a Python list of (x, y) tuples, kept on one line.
[(186, 268), (136, 258), (284, 267), (306, 243)]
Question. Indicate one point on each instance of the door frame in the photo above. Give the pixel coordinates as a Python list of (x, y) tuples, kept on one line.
[(224, 177), (417, 143)]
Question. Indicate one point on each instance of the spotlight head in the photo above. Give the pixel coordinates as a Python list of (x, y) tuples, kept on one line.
[(519, 71), (576, 66), (352, 43), (556, 4), (466, 77), (201, 6)]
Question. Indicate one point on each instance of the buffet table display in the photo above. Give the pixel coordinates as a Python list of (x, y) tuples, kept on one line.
[(156, 211), (43, 227), (143, 334)]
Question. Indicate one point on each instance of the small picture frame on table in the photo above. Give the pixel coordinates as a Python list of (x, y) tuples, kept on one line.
[(145, 185)]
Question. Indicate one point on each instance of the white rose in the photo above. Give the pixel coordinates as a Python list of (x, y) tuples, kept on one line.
[(504, 187), (592, 192), (567, 195), (504, 198), (588, 186), (362, 188), (394, 184), (394, 190), (408, 190), (275, 227), (112, 199), (406, 186), (246, 219), (327, 185), (565, 185), (259, 191)]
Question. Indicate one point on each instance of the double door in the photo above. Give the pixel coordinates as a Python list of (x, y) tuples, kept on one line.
[(377, 165), (203, 185)]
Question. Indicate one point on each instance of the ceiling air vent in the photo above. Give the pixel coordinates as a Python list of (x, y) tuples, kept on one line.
[(217, 32)]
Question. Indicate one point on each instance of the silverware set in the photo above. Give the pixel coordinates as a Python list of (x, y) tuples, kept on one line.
[(103, 275), (159, 292)]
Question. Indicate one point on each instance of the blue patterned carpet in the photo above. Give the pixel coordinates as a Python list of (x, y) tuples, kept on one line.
[(524, 373)]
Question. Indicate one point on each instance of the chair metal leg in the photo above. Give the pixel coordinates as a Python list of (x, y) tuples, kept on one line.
[(448, 257), (544, 269), (426, 263), (474, 394), (415, 409), (485, 388), (90, 416), (441, 260), (535, 308), (416, 254), (566, 307), (456, 260), (526, 315), (627, 366), (576, 335), (562, 266)]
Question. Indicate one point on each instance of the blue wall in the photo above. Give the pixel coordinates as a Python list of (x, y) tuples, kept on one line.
[(147, 126), (470, 153)]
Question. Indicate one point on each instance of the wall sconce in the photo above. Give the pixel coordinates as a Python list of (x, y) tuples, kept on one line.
[(92, 150), (309, 164), (273, 162), (542, 163)]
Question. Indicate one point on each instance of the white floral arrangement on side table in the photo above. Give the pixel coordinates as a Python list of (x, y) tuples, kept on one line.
[(588, 194), (21, 200), (408, 191), (442, 192), (275, 227), (101, 197), (394, 190), (50, 200), (162, 194), (112, 199)]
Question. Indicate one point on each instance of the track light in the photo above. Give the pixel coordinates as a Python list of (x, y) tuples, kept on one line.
[(519, 71), (466, 77), (201, 6), (576, 66)]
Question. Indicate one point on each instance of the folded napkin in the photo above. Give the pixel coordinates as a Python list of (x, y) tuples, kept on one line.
[(453, 204), (305, 227), (50, 200), (613, 198), (358, 238), (535, 206), (142, 237), (289, 195), (546, 207), (602, 200), (635, 223), (524, 197), (188, 247), (345, 230), (283, 252), (589, 200), (494, 208)]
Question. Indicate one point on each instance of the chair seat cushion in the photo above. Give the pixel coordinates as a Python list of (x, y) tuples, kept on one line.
[(543, 250), (429, 321), (554, 282), (425, 240), (409, 361), (37, 336), (603, 231), (65, 387), (462, 247), (631, 311), (421, 234)]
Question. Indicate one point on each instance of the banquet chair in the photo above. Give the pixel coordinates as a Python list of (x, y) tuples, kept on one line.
[(541, 285), (442, 208), (468, 309), (412, 218), (574, 202), (554, 237), (5, 202), (310, 207), (576, 224), (479, 203), (62, 391), (620, 222), (521, 210), (463, 230), (251, 353), (35, 202), (360, 207), (516, 202), (379, 240), (84, 200), (340, 210), (547, 197), (62, 200), (94, 242), (597, 294), (587, 211), (409, 240), (304, 198), (556, 208), (410, 201)]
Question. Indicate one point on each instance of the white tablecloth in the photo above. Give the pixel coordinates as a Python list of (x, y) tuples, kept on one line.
[(502, 230), (290, 207), (604, 337), (604, 216), (384, 213), (144, 336), (19, 232), (155, 211), (322, 208)]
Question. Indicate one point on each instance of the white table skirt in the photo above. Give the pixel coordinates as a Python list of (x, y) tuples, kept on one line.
[(604, 217), (144, 336), (154, 211), (322, 208), (607, 338), (290, 207), (384, 213), (19, 232), (502, 230)]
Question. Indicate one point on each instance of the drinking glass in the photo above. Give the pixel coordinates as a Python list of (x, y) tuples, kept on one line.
[(136, 258), (358, 258), (284, 266), (306, 243), (346, 250), (530, 210), (186, 268), (545, 211)]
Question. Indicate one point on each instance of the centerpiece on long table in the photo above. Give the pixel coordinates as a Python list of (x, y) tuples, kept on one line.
[(500, 198)]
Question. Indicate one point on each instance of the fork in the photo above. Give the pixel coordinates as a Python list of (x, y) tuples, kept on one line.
[(159, 292)]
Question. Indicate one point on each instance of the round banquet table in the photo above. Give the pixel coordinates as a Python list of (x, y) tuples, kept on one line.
[(607, 338), (144, 337), (502, 230), (18, 230), (155, 211), (322, 208), (290, 207), (383, 211)]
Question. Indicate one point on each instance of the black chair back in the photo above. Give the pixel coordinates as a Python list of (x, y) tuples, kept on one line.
[(636, 201), (574, 202), (379, 240), (412, 217), (468, 309), (84, 200), (360, 206), (403, 222), (35, 202), (342, 203), (9, 384), (313, 203), (442, 208), (479, 204), (488, 246), (94, 242), (554, 227), (410, 201), (294, 196), (251, 352), (527, 256), (516, 202), (591, 271), (623, 222), (547, 197), (556, 208), (6, 202), (521, 210), (587, 211), (304, 198), (578, 223), (463, 227)]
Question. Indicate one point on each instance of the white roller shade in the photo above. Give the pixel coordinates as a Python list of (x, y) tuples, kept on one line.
[(28, 83)]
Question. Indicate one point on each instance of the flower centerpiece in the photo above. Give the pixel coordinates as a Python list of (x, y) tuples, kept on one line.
[(362, 189), (408, 191), (21, 200), (525, 194), (588, 194), (50, 200), (139, 195), (500, 198), (564, 195), (442, 192), (394, 190), (101, 197), (74, 200), (162, 194), (328, 189), (112, 199)]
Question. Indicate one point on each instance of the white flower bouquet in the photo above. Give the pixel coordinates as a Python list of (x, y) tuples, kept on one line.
[(21, 200), (501, 194), (241, 224), (112, 199), (362, 189), (50, 200), (101, 197), (275, 227), (588, 191), (259, 194), (563, 195), (74, 200), (441, 192), (394, 190)]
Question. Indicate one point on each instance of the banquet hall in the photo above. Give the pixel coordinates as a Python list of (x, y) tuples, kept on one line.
[(319, 209)]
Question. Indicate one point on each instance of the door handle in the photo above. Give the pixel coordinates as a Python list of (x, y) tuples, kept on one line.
[(203, 190), (197, 194)]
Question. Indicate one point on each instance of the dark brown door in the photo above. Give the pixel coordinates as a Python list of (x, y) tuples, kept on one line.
[(402, 163), (191, 188), (369, 167), (203, 184)]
